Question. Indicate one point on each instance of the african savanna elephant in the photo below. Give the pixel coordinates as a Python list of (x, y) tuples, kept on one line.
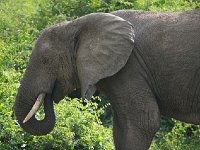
[(147, 63)]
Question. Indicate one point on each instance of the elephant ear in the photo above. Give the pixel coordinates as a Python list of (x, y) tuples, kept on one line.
[(104, 45)]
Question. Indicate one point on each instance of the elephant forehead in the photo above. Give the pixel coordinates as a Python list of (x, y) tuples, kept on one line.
[(45, 46)]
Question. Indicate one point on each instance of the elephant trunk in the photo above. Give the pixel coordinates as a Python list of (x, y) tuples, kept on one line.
[(34, 126)]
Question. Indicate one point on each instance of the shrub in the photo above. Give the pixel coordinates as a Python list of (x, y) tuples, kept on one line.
[(78, 127)]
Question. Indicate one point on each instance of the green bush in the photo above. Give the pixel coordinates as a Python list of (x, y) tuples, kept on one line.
[(78, 126), (178, 137)]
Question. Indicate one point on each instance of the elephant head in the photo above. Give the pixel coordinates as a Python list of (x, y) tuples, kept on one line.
[(69, 55)]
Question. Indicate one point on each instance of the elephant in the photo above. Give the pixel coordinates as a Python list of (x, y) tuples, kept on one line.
[(146, 63)]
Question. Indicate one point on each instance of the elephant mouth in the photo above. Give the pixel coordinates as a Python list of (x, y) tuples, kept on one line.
[(58, 92)]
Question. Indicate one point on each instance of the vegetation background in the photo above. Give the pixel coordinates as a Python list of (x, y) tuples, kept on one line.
[(81, 125)]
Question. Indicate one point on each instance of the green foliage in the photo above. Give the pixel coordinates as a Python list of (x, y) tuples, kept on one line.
[(78, 126), (180, 136), (167, 5)]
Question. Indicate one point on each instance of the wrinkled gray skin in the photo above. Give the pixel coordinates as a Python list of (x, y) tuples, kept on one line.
[(147, 63)]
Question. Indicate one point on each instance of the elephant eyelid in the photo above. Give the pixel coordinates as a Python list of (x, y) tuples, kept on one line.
[(44, 60)]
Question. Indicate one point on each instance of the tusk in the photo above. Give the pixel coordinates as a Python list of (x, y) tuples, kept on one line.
[(35, 107)]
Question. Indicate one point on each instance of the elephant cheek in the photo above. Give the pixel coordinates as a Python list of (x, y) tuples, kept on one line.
[(58, 93)]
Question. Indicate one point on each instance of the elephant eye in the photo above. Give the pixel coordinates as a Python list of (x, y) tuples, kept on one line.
[(45, 60)]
